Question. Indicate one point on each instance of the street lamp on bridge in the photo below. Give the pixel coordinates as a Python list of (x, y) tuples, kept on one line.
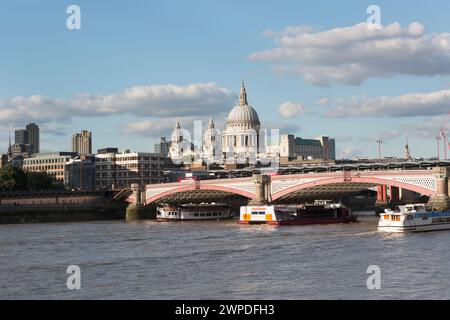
[(379, 141)]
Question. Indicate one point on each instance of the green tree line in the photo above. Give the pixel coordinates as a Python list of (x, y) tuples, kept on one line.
[(15, 179)]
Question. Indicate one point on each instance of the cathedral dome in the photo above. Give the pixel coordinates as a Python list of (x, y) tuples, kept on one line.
[(243, 113)]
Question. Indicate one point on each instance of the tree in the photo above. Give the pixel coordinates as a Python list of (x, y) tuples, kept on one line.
[(38, 181), (12, 178)]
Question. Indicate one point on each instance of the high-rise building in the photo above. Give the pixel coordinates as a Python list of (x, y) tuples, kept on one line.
[(28, 136), (162, 147), (82, 142), (32, 130), (20, 136)]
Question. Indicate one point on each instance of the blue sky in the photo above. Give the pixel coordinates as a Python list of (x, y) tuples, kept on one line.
[(69, 80)]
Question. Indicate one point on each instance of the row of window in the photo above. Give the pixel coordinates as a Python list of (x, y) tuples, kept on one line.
[(44, 161), (44, 167), (196, 214), (441, 220), (129, 159)]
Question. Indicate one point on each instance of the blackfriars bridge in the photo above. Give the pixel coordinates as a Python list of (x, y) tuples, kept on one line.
[(288, 188)]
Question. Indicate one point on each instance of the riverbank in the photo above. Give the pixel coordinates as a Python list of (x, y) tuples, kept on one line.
[(59, 213), (59, 206)]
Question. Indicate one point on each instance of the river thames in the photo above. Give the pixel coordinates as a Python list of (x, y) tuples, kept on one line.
[(220, 260)]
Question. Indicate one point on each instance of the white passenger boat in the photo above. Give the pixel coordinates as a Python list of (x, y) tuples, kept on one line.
[(203, 211), (413, 218)]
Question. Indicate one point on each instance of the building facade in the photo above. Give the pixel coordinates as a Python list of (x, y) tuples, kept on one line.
[(27, 140), (80, 173), (120, 170), (54, 164), (162, 147), (295, 148), (82, 142), (20, 136), (23, 150), (33, 137)]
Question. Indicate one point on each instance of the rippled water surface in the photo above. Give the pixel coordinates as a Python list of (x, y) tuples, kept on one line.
[(220, 260)]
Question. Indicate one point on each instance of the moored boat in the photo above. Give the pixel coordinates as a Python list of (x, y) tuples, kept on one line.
[(413, 218), (325, 213), (203, 211)]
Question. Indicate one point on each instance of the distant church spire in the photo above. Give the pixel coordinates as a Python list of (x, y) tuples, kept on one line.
[(9, 146), (407, 154), (243, 95), (211, 123)]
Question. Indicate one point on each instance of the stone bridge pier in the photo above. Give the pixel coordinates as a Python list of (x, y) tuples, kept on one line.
[(262, 190), (137, 209), (441, 201)]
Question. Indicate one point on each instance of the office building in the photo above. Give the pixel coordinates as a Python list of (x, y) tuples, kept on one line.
[(162, 147), (82, 142), (53, 164), (33, 137), (119, 170), (80, 173)]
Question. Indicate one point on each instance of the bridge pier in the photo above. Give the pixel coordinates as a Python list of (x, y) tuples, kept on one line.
[(382, 201), (137, 210), (441, 201), (262, 183)]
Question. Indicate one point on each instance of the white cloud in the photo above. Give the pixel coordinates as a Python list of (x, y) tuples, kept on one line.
[(407, 105), (152, 100), (349, 152), (290, 30), (291, 110), (351, 55), (324, 102)]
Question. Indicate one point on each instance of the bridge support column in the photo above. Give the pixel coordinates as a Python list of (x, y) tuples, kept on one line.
[(394, 194), (137, 210), (441, 201), (382, 201), (261, 185)]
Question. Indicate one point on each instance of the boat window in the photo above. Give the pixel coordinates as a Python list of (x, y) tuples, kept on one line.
[(196, 214), (202, 214), (208, 214), (410, 217), (258, 212), (417, 208), (214, 213)]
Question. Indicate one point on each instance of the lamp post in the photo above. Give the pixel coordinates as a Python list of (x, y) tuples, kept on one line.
[(379, 141)]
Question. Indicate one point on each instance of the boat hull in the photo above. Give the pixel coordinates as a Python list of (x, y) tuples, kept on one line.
[(417, 228), (304, 221)]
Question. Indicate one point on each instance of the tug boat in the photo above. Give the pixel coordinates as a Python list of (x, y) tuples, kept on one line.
[(202, 211), (317, 213), (413, 218)]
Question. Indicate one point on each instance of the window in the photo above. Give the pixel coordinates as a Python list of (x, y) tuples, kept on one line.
[(410, 217)]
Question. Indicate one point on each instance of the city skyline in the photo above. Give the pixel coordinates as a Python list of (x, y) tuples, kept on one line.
[(169, 66)]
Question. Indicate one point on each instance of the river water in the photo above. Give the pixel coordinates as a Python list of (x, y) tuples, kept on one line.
[(220, 260)]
